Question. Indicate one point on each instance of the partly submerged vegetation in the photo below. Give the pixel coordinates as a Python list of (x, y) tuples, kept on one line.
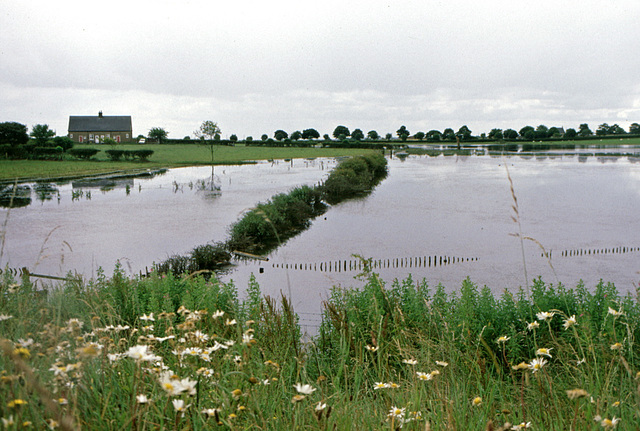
[(187, 353), (268, 224)]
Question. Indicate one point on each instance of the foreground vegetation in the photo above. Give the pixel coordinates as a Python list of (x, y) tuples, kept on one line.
[(187, 353), (164, 156)]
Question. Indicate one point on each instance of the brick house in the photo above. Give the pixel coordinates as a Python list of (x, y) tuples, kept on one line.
[(96, 129)]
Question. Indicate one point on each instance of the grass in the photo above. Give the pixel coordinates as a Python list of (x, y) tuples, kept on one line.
[(185, 353), (164, 156)]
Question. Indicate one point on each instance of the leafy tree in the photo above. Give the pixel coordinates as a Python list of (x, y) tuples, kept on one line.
[(554, 132), (264, 137), (326, 137), (208, 130), (233, 138), (603, 129), (158, 133), (13, 133), (187, 138), (280, 135), (464, 133), (341, 130), (434, 135), (63, 142), (419, 136), (357, 134), (496, 134), (570, 133), (296, 135), (310, 134), (584, 130), (388, 136), (373, 135), (617, 130), (109, 141), (448, 134), (403, 133), (42, 133), (530, 135), (634, 129), (526, 129), (510, 134)]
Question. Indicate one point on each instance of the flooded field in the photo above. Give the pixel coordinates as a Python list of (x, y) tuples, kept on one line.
[(439, 218)]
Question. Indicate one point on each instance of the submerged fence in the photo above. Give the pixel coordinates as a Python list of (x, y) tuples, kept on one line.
[(359, 264), (598, 251)]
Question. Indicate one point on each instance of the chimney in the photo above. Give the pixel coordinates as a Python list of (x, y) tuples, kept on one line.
[(100, 114)]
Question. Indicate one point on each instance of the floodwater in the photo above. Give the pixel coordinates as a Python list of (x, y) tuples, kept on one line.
[(438, 218), (84, 225)]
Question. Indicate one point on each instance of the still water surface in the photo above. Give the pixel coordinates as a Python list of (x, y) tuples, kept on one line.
[(582, 210)]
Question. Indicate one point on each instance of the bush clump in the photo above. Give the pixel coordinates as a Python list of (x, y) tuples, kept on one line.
[(83, 153)]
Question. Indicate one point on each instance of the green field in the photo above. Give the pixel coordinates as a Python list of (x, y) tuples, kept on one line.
[(164, 156)]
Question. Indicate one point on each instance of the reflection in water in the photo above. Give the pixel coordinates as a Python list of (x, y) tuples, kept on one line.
[(46, 191), (15, 196)]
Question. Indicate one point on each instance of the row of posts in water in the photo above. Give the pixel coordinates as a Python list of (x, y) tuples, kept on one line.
[(358, 264), (598, 251)]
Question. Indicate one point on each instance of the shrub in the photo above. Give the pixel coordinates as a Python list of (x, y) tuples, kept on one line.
[(83, 153), (115, 155), (47, 153)]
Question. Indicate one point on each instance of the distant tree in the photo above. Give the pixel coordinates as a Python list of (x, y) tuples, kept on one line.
[(448, 134), (603, 129), (617, 130), (403, 133), (464, 133), (570, 133), (541, 132), (187, 138), (388, 136), (208, 130), (63, 142), (341, 130), (280, 135), (419, 136), (326, 137), (264, 137), (434, 135), (310, 134), (357, 134), (529, 135), (554, 132), (249, 139), (526, 129), (12, 133), (634, 128), (233, 138), (158, 133), (296, 135), (42, 133), (496, 134), (584, 130), (373, 135), (510, 134)]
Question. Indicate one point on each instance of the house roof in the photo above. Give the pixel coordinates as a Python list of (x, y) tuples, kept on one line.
[(100, 123)]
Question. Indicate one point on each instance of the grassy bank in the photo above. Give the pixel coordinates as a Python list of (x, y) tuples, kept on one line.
[(186, 353), (163, 156)]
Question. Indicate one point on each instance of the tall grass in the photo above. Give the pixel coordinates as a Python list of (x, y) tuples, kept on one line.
[(168, 352)]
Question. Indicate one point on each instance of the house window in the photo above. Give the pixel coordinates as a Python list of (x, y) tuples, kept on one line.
[(127, 136), (91, 136), (71, 135)]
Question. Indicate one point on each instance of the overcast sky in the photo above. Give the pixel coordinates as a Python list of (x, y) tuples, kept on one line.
[(258, 66)]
